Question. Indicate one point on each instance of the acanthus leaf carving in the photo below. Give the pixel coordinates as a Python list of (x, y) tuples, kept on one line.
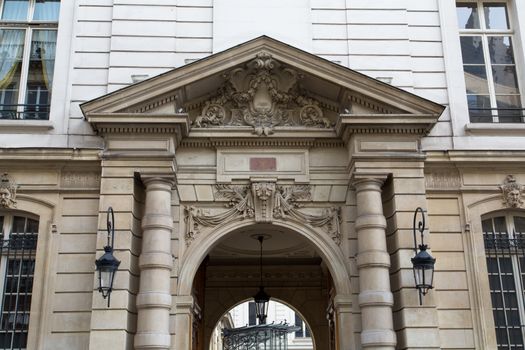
[(7, 192), (263, 201), (262, 95), (512, 192)]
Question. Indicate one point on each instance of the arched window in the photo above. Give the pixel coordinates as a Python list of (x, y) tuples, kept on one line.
[(504, 238), (18, 241)]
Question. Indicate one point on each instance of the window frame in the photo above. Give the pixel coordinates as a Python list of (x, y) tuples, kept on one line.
[(485, 33), (517, 268), (29, 26)]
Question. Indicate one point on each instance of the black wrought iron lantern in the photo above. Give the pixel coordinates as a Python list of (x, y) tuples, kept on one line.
[(422, 262), (261, 299), (107, 264)]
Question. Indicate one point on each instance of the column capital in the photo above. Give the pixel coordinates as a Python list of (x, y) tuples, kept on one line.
[(158, 179), (359, 179)]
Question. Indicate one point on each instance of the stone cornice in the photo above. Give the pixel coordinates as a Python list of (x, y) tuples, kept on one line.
[(476, 158), (49, 154), (413, 124), (260, 142), (129, 123)]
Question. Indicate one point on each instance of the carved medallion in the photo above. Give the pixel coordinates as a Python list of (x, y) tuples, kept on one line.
[(7, 192), (263, 95), (512, 192)]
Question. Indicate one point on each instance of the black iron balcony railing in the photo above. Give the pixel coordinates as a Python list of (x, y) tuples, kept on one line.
[(26, 111), (497, 115)]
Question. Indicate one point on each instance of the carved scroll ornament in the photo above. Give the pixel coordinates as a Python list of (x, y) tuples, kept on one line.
[(512, 192), (262, 201), (261, 95), (7, 192)]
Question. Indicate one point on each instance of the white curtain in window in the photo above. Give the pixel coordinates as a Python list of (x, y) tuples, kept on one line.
[(11, 50), (44, 45), (15, 10)]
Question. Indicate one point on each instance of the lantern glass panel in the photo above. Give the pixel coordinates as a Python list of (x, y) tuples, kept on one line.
[(106, 280)]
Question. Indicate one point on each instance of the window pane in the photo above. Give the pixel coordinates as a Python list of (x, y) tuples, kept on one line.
[(472, 50), (500, 49), (47, 10), (11, 53), (476, 80), (468, 17), (500, 224), (487, 225), (505, 80), (15, 10), (32, 226), (519, 224), (19, 224), (516, 337), (479, 109), (496, 16), (508, 101), (509, 108), (40, 77)]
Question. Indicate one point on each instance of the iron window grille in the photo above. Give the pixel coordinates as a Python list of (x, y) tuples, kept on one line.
[(504, 238), (18, 243)]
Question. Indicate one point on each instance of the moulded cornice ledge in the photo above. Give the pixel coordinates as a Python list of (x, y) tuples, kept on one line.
[(418, 124), (26, 126), (138, 122), (495, 129), (50, 154), (476, 158)]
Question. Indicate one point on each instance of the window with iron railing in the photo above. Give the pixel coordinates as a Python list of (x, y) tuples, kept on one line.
[(18, 242), (491, 74), (504, 237), (28, 32)]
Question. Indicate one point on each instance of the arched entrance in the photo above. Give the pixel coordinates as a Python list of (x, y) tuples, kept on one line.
[(302, 267), (239, 328)]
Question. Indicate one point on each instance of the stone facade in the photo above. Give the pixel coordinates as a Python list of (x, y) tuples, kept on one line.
[(241, 135)]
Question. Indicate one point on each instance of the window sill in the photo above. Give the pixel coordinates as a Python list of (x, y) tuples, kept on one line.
[(488, 129), (25, 126)]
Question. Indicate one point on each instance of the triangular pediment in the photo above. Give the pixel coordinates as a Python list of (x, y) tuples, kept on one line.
[(263, 87)]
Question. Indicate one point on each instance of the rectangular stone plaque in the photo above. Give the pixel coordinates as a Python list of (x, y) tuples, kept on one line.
[(263, 164)]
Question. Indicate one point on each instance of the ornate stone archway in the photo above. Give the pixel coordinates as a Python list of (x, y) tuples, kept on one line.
[(294, 295)]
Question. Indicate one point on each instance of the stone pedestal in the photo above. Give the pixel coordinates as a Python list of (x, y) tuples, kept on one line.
[(373, 261), (155, 263)]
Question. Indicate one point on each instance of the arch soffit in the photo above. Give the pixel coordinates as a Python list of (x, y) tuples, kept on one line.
[(331, 253)]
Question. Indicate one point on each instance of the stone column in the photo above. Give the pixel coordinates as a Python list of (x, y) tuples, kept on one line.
[(373, 262), (155, 264)]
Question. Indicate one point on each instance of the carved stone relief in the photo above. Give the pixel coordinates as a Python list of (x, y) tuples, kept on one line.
[(448, 179), (262, 95), (262, 201), (7, 192), (512, 192)]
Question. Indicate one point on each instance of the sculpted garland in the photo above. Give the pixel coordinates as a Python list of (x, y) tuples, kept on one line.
[(262, 201), (262, 95)]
